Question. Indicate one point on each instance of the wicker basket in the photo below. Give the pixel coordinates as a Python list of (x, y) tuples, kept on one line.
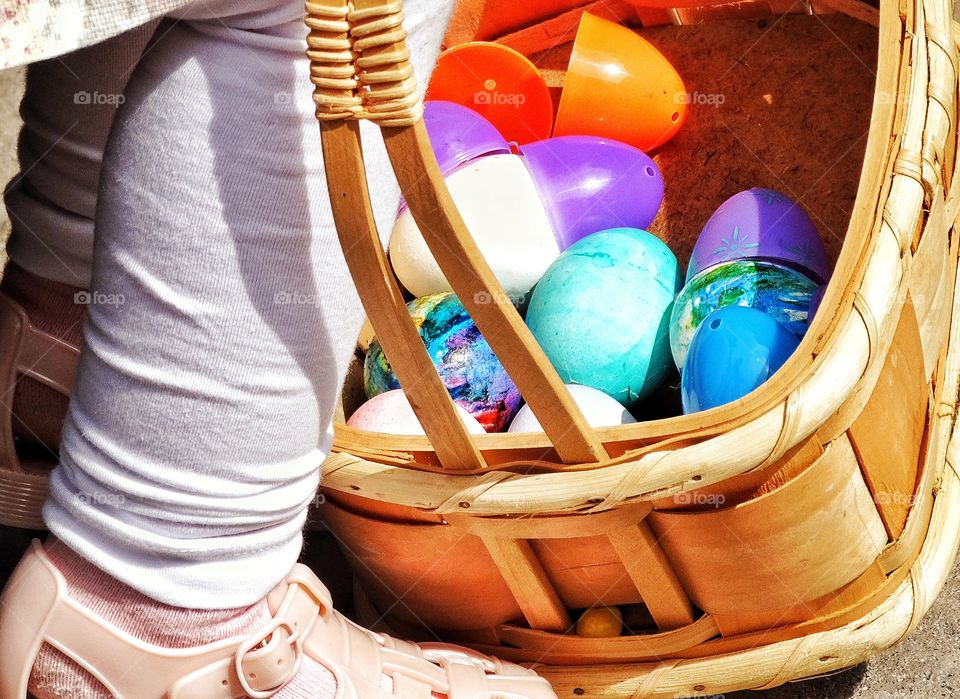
[(840, 507)]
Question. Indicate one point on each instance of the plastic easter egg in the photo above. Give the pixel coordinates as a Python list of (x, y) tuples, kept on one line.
[(600, 312), (780, 292), (470, 370), (499, 203), (391, 413), (592, 184), (734, 351), (500, 84), (620, 86), (600, 622), (761, 224), (598, 408), (459, 134)]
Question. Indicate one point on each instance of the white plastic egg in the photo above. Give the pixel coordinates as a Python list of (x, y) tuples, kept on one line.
[(499, 203), (598, 408)]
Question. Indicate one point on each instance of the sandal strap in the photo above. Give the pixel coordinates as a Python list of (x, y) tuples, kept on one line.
[(26, 351), (265, 662), (414, 671)]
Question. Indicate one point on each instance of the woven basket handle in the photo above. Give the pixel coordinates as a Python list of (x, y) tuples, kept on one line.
[(361, 70)]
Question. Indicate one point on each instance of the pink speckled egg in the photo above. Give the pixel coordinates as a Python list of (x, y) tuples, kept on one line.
[(391, 413)]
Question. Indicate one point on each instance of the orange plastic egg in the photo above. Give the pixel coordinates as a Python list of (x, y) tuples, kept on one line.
[(600, 622), (498, 83), (620, 86)]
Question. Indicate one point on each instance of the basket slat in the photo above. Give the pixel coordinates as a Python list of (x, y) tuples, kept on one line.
[(797, 543), (887, 435), (382, 300), (565, 648), (529, 583), (653, 575), (928, 292), (747, 486), (861, 588)]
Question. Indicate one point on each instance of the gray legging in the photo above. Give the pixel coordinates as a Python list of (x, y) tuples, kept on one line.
[(222, 316)]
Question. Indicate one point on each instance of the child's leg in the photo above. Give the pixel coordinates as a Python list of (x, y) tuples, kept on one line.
[(222, 321)]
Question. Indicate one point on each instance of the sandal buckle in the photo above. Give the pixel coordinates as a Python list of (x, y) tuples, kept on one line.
[(258, 658)]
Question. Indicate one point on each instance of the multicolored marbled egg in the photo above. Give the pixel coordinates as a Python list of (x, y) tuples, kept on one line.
[(600, 312), (779, 291), (470, 370)]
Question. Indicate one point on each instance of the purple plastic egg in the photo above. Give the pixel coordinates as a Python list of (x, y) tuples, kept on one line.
[(761, 224), (459, 134), (591, 184)]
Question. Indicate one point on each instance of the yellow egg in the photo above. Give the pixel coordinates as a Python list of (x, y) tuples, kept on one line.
[(600, 622)]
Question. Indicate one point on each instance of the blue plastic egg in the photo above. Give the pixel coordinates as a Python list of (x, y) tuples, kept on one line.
[(601, 312), (781, 292), (734, 351)]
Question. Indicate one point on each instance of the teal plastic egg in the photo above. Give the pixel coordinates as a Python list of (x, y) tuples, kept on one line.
[(733, 352), (473, 375), (781, 292), (601, 312)]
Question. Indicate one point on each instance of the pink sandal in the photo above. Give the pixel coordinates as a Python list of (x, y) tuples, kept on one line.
[(27, 351), (36, 608)]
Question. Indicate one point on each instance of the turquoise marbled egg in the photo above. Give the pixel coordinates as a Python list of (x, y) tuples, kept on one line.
[(781, 292), (601, 312), (473, 375)]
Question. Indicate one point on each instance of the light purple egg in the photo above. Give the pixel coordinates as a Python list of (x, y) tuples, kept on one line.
[(459, 134), (591, 184), (761, 224)]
